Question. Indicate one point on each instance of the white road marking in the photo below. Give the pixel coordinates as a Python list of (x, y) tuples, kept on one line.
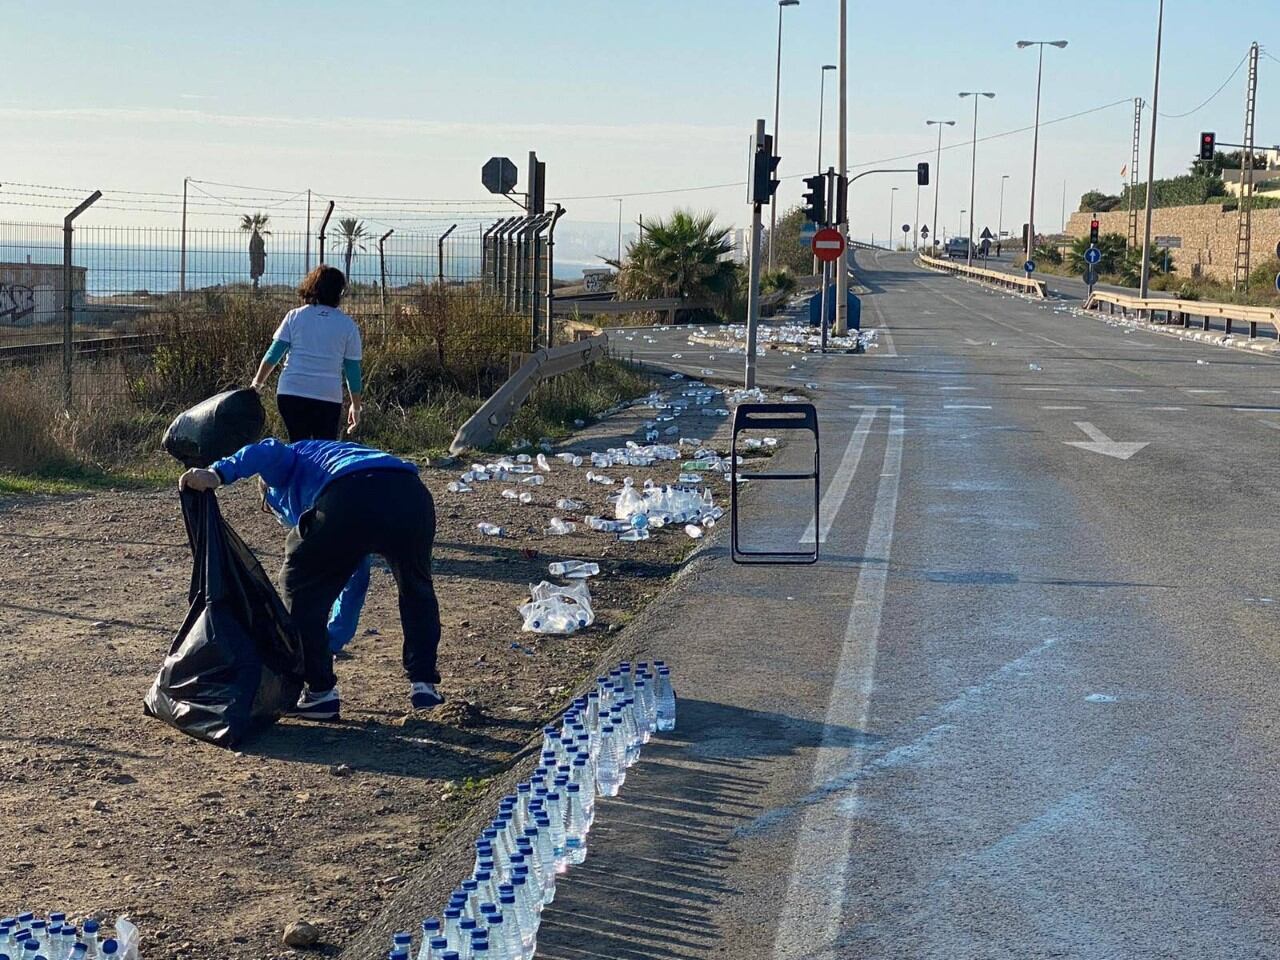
[(1190, 390), (816, 899), (1167, 409), (957, 388), (1047, 407), (1124, 390), (1043, 389), (1256, 409), (964, 406), (838, 488), (1099, 442)]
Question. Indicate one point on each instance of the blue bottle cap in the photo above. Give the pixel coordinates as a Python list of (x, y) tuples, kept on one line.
[(440, 943), (430, 925), (450, 954), (402, 937), (467, 923), (495, 919), (523, 787), (575, 788), (452, 913), (488, 909), (110, 948), (26, 917), (469, 884), (90, 926), (57, 917)]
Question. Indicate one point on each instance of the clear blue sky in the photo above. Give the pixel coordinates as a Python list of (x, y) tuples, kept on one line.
[(408, 98)]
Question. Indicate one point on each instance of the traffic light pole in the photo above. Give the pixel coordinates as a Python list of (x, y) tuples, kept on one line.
[(826, 267), (753, 284)]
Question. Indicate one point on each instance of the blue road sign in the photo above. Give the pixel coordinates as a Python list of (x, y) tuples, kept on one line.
[(1093, 255), (1278, 282), (1029, 266)]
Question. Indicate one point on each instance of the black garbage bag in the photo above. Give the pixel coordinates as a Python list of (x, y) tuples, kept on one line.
[(216, 427), (236, 664)]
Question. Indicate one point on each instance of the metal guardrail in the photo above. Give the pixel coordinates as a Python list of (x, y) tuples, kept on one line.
[(1009, 281), (1184, 310), (496, 412), (568, 306)]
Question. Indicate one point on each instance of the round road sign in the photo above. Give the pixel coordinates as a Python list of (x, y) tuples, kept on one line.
[(1278, 281), (1093, 255), (906, 228), (1090, 276), (828, 244), (1029, 266)]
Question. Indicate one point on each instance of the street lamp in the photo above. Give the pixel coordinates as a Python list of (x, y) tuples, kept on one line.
[(973, 170), (892, 230), (1145, 279), (1000, 221), (937, 173), (619, 232), (777, 92), (1030, 239)]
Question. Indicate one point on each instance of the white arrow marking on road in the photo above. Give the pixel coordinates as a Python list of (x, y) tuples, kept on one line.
[(1099, 442)]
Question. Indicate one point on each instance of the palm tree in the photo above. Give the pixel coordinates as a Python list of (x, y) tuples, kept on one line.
[(353, 232), (683, 256), (255, 224)]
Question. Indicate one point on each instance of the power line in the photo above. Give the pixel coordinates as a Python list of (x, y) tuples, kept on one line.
[(1213, 96), (927, 152)]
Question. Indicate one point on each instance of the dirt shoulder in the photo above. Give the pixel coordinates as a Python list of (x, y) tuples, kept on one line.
[(104, 811)]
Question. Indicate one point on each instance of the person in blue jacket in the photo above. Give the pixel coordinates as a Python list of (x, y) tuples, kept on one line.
[(345, 501)]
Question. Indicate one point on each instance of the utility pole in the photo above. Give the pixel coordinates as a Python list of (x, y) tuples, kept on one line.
[(973, 170), (1244, 235), (182, 255), (893, 230), (1133, 173), (1000, 220), (1144, 286), (822, 101), (753, 285), (841, 266), (937, 175), (777, 96)]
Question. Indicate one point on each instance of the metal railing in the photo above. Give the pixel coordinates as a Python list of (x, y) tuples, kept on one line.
[(1180, 312), (1010, 281)]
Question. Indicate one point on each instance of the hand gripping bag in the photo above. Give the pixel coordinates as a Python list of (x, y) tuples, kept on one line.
[(216, 427), (236, 664)]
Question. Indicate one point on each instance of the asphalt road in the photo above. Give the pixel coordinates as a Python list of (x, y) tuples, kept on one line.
[(1024, 707)]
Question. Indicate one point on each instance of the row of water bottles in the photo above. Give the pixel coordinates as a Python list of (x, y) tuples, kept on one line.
[(32, 936), (541, 829)]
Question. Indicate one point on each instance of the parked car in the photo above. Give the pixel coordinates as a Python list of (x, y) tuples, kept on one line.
[(958, 248)]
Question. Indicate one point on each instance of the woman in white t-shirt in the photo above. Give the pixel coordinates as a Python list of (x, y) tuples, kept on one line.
[(323, 348)]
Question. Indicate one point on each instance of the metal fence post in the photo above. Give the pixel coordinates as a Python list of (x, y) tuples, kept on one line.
[(440, 253), (551, 262), (324, 225), (68, 296), (382, 271)]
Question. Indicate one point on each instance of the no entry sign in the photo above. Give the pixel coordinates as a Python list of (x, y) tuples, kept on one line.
[(828, 244)]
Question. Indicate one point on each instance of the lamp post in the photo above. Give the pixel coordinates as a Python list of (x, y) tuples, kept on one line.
[(892, 229), (1000, 221), (915, 227), (937, 173), (1030, 239), (777, 92), (963, 211), (841, 266), (619, 233), (973, 170), (1151, 161)]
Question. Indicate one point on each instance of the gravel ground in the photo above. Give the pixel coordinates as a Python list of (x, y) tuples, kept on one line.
[(104, 811)]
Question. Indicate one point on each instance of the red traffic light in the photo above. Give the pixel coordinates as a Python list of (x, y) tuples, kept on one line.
[(1208, 144), (1093, 224)]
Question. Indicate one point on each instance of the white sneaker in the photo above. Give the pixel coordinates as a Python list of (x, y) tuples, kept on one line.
[(424, 696)]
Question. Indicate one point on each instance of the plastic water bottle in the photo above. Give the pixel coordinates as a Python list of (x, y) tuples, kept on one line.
[(640, 710), (110, 949), (398, 955), (547, 858), (436, 948), (91, 928), (480, 946), (556, 818), (491, 530), (576, 826), (79, 952), (666, 700), (504, 937), (607, 781), (431, 931), (573, 569), (467, 926)]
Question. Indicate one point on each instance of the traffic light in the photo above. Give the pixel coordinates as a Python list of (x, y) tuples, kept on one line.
[(922, 174), (815, 201), (763, 164), (841, 200), (1093, 232), (1208, 143)]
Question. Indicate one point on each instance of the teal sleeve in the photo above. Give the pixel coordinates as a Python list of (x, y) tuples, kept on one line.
[(351, 369), (277, 350)]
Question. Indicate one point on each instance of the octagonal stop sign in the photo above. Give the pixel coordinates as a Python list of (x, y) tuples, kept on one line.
[(828, 244), (498, 175)]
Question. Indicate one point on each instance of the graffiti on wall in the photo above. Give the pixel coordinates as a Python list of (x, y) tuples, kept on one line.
[(16, 302)]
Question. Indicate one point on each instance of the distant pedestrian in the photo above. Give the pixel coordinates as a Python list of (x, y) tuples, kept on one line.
[(320, 346), (997, 248)]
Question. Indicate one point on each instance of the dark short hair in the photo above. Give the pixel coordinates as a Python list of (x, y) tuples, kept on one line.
[(324, 286)]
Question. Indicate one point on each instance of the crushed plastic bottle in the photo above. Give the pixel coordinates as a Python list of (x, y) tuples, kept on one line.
[(526, 497), (458, 486), (569, 505), (491, 529), (574, 569), (510, 495), (559, 528), (534, 480), (693, 530), (542, 463), (557, 609)]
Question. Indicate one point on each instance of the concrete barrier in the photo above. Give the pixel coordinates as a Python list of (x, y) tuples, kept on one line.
[(1009, 281), (1181, 311), (496, 412)]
